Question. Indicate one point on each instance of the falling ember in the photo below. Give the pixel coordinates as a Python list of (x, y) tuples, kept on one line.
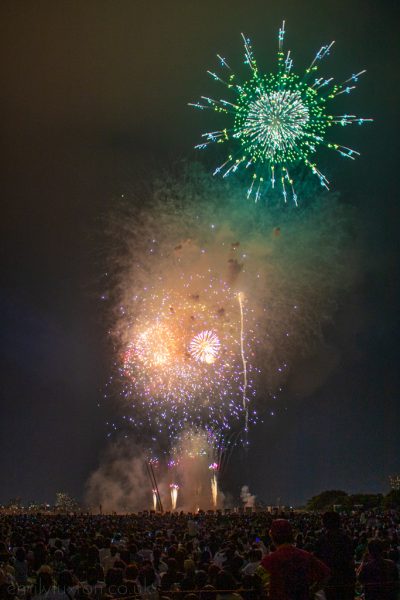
[(174, 487), (205, 346), (155, 500)]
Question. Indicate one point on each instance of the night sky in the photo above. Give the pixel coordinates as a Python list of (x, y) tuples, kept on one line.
[(93, 96)]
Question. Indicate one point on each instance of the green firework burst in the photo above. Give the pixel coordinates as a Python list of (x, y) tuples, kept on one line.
[(279, 120)]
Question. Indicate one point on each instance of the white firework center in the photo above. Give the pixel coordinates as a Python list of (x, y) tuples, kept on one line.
[(276, 120), (205, 346)]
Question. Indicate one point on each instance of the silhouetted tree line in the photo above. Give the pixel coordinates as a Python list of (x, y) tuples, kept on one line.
[(330, 498)]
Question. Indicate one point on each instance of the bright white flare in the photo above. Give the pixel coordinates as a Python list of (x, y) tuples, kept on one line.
[(174, 495), (214, 490), (205, 346), (275, 121)]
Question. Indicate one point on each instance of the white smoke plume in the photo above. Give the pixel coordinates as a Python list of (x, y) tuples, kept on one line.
[(248, 499), (120, 484)]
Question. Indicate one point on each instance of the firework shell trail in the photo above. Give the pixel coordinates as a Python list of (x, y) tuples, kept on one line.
[(244, 363)]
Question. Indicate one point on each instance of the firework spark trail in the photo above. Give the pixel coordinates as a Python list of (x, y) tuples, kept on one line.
[(279, 119), (214, 468), (244, 362), (195, 468), (214, 491), (174, 487)]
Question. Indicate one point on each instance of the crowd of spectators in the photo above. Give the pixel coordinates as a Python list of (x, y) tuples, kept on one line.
[(236, 556)]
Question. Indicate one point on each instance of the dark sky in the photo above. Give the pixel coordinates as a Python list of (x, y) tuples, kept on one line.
[(92, 93)]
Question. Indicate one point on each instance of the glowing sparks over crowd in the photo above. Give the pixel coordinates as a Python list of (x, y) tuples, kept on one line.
[(183, 363), (210, 312), (278, 119), (205, 347)]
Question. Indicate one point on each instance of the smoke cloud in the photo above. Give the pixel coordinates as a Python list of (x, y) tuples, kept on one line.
[(292, 265), (120, 484), (248, 499)]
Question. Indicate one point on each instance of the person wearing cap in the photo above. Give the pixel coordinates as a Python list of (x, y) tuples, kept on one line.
[(289, 572)]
